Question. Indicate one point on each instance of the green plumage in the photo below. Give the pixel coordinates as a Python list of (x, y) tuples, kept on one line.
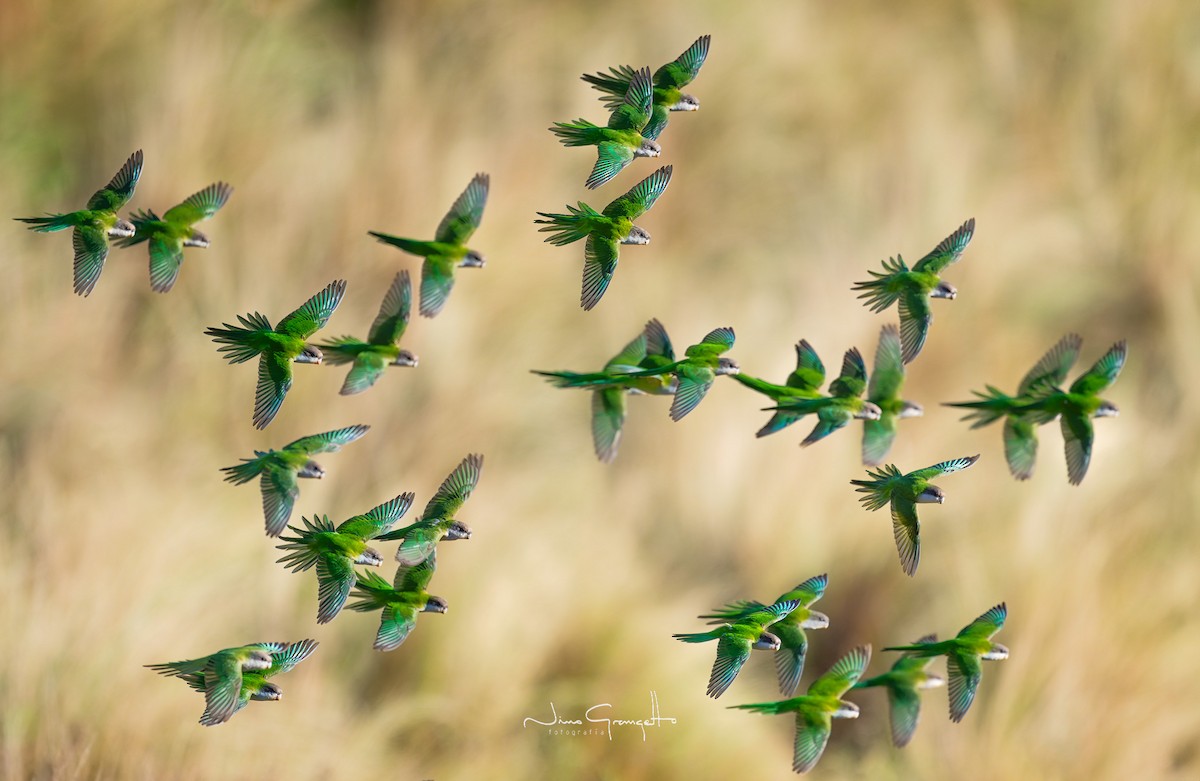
[(372, 357), (621, 140), (255, 685), (166, 236), (448, 250), (437, 521), (887, 377), (835, 411), (95, 224), (220, 676), (803, 383), (737, 639), (399, 601), (903, 682), (605, 231)]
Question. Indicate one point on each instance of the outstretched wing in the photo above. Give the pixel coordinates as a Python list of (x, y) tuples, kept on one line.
[(222, 686), (948, 251), (608, 418), (335, 578), (1103, 373), (809, 373), (166, 258), (878, 436), (907, 531), (611, 158), (315, 312), (378, 520), (1020, 446), (964, 674), (393, 314), (416, 578), (853, 379), (1078, 436), (888, 373), (915, 318), (987, 624), (200, 205), (91, 250), (599, 264), (732, 653), (328, 441), (812, 733), (291, 655), (683, 69), (466, 213), (634, 111), (904, 709), (1051, 369), (279, 493), (843, 675), (455, 489), (944, 468), (641, 196), (789, 659), (692, 386), (394, 628), (274, 381), (119, 190)]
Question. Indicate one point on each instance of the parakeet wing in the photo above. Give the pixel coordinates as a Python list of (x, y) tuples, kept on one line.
[(732, 653), (829, 420), (720, 337), (1020, 446), (611, 158), (291, 655), (845, 672), (812, 733), (274, 381), (466, 213), (904, 709), (200, 206), (878, 436), (119, 190), (809, 591), (630, 356), (693, 385), (608, 418), (599, 264), (315, 313), (1051, 369), (853, 380), (1103, 373), (778, 422), (809, 373), (987, 624), (327, 441), (684, 68), (419, 544), (789, 659), (417, 577), (964, 673), (1078, 436), (943, 468), (907, 531), (394, 628), (279, 492), (335, 578), (948, 251), (222, 685), (166, 258), (658, 343), (367, 369), (888, 373), (641, 197), (91, 250), (437, 280), (455, 489), (393, 314), (915, 317), (634, 111), (377, 520)]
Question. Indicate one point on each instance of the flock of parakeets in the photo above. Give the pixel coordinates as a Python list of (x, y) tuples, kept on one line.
[(232, 677), (640, 103)]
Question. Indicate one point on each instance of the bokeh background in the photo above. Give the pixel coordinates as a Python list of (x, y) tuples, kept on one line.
[(831, 135)]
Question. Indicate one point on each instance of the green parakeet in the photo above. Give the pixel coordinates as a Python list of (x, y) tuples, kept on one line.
[(834, 411), (1040, 399), (280, 468), (649, 350), (333, 551), (963, 653), (448, 250), (803, 383), (816, 710), (221, 675), (735, 641), (95, 224), (913, 289), (605, 231), (169, 234), (668, 82), (277, 347), (887, 376), (381, 350), (437, 522), (904, 492), (400, 601), (904, 682), (255, 685), (622, 140), (793, 642)]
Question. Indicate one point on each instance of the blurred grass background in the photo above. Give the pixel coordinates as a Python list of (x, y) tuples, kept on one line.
[(830, 136)]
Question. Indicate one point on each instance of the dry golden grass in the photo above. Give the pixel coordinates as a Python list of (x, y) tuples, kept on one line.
[(831, 135)]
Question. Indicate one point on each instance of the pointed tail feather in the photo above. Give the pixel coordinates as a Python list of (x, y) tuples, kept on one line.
[(341, 350), (875, 291), (697, 637), (50, 223), (577, 133), (613, 84), (411, 246), (992, 405), (245, 342), (246, 471), (301, 554), (567, 228)]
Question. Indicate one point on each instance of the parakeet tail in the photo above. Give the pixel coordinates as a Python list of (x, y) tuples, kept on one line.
[(411, 246), (141, 221), (613, 85), (876, 292), (246, 471), (301, 554), (992, 405), (242, 343), (915, 650), (566, 228), (576, 380), (764, 707), (697, 637), (49, 223), (577, 133), (341, 350)]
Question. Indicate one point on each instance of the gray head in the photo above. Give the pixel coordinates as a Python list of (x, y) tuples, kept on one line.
[(370, 557), (637, 236), (311, 469), (458, 531), (845, 710), (686, 103), (815, 620), (268, 691), (310, 354), (997, 653), (405, 358), (869, 411), (767, 642), (648, 149), (435, 605), (1107, 410), (472, 260), (910, 409), (943, 290), (728, 366), (931, 495), (197, 239), (932, 681), (122, 229), (258, 660)]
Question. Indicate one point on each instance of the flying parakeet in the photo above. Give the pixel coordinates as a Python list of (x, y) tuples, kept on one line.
[(437, 522), (280, 468), (834, 411), (650, 350), (605, 231), (904, 492), (913, 289), (887, 376), (169, 234), (400, 602), (963, 653), (735, 641), (904, 681), (448, 249), (277, 346), (622, 140), (221, 675), (381, 350), (95, 224), (333, 551), (793, 642), (667, 81), (816, 710), (1040, 399), (255, 685), (803, 383)]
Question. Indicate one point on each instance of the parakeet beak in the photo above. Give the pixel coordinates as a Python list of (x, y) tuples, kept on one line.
[(197, 239), (944, 290), (996, 653), (123, 229), (310, 354)]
